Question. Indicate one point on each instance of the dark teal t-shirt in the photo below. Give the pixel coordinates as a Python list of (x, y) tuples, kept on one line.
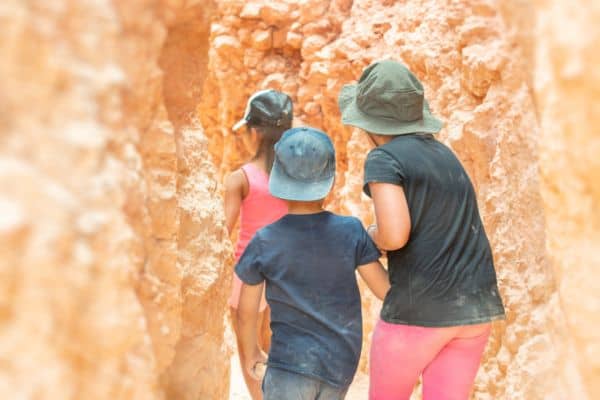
[(308, 263), (444, 275)]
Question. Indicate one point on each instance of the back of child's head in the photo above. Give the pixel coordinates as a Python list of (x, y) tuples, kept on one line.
[(270, 113), (304, 166), (267, 137)]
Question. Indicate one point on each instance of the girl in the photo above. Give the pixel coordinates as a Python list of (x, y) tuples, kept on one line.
[(435, 320), (268, 114)]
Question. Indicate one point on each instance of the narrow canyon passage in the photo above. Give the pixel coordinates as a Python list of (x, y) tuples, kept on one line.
[(116, 115), (476, 60)]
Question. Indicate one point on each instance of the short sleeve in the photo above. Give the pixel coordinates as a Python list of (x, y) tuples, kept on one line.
[(366, 251), (249, 266), (380, 166)]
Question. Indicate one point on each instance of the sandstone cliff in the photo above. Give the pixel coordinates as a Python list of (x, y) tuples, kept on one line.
[(112, 240), (567, 85)]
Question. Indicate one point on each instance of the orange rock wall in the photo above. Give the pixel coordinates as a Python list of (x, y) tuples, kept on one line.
[(111, 229), (567, 85)]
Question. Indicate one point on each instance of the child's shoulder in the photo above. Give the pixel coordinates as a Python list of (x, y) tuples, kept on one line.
[(271, 230), (235, 178), (347, 220), (237, 182)]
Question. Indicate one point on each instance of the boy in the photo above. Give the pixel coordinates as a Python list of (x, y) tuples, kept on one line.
[(308, 260)]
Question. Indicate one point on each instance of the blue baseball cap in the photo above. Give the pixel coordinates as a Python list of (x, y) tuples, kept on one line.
[(304, 166)]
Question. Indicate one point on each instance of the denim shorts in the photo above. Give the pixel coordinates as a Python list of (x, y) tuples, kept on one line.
[(279, 384)]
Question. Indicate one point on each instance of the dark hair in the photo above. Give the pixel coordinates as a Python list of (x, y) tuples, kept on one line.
[(269, 135)]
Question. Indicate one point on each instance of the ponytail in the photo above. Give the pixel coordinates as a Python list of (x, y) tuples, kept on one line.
[(269, 135)]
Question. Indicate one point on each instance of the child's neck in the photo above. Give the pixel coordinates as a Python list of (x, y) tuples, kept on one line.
[(305, 207), (260, 162)]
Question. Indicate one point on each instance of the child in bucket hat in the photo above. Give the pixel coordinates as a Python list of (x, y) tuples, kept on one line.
[(388, 100), (435, 320), (307, 261)]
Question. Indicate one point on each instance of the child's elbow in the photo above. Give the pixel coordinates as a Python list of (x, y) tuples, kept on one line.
[(394, 242), (393, 237), (380, 295), (384, 291)]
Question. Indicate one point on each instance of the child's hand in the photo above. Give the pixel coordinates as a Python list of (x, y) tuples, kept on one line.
[(256, 364), (371, 229)]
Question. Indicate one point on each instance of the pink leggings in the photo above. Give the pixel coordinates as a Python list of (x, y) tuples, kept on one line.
[(448, 359)]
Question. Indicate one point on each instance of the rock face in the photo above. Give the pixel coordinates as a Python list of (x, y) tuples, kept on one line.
[(567, 84), (114, 261), (111, 230)]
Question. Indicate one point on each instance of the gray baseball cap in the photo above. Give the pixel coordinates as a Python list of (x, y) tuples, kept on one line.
[(304, 166), (267, 108), (388, 100)]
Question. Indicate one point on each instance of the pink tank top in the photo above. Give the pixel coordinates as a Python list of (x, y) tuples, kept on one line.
[(258, 209)]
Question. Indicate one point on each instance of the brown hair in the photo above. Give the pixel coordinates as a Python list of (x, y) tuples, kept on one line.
[(269, 135)]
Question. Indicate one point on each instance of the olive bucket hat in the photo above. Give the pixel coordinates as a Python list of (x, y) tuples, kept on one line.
[(387, 100)]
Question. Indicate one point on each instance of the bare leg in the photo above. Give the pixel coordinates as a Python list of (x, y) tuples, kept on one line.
[(254, 387)]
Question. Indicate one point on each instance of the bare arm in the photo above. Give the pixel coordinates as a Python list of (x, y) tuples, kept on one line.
[(376, 278), (392, 216), (235, 188), (247, 318)]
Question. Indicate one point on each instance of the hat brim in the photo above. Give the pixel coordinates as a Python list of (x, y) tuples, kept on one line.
[(285, 187), (239, 124), (352, 115)]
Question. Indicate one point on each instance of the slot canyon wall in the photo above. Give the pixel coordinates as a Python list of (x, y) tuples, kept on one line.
[(567, 85), (112, 242), (115, 120)]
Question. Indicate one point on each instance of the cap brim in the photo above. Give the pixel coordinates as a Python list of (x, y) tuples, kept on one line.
[(352, 115), (283, 186), (239, 124)]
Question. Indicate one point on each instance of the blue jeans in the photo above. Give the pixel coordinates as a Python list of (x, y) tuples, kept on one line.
[(279, 384)]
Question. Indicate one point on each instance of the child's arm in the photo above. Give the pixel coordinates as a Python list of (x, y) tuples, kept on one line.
[(247, 318), (376, 278), (234, 194), (392, 214)]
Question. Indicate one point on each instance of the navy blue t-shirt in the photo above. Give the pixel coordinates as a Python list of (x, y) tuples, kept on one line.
[(308, 263)]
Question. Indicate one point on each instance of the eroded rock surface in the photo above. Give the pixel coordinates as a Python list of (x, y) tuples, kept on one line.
[(567, 84), (111, 229)]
